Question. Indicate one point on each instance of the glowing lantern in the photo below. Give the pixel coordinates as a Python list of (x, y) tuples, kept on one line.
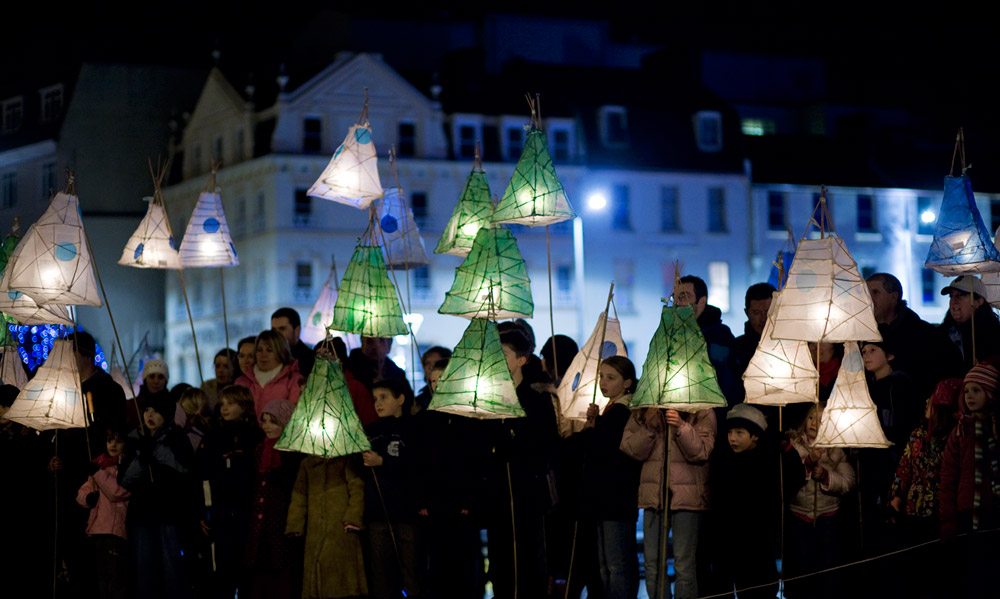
[(471, 214), (324, 422), (534, 196), (351, 177), (401, 240), (579, 385), (11, 368), (477, 382), (314, 328), (367, 302), (781, 371), (850, 418), (206, 242), (962, 243), (152, 245), (52, 399), (18, 307), (492, 282)]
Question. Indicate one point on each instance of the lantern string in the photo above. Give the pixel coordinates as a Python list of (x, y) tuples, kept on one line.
[(959, 152), (363, 117), (406, 265), (600, 348)]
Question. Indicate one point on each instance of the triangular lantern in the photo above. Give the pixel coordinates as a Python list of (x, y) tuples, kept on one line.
[(52, 399), (825, 298), (477, 383), (152, 245), (401, 240), (206, 242), (962, 243), (677, 373), (324, 422), (473, 211), (351, 177), (52, 263), (367, 302), (314, 329), (534, 196), (850, 418), (781, 371), (579, 385), (492, 281), (12, 368)]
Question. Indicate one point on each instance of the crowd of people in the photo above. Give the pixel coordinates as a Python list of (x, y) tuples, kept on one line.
[(182, 493)]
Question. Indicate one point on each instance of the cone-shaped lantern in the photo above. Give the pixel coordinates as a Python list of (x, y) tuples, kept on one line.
[(401, 240), (314, 328), (351, 177), (781, 371), (19, 306), (473, 211), (492, 281), (52, 399), (825, 298), (677, 373), (206, 242), (579, 384), (962, 243), (152, 245), (477, 382), (52, 263), (324, 422), (534, 196), (850, 419), (367, 302), (11, 368)]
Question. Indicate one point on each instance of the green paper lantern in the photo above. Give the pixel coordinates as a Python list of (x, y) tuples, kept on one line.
[(472, 213), (534, 196), (677, 373), (477, 382), (492, 282), (367, 302), (324, 422)]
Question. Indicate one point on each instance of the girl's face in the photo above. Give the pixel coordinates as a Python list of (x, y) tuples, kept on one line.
[(153, 419), (223, 370), (155, 382), (246, 356), (812, 423), (612, 384), (740, 439), (266, 358), (115, 446), (874, 358), (433, 379), (230, 410), (975, 397), (387, 404), (272, 430)]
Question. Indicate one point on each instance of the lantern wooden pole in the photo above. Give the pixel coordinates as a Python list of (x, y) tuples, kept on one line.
[(600, 348), (661, 557), (225, 316)]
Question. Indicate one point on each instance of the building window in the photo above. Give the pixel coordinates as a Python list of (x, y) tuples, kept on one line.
[(613, 125), (620, 208), (406, 140), (194, 282), (312, 135), (303, 281), (625, 284), (260, 216), (418, 202), (240, 222), (48, 179), (218, 150), (303, 208), (560, 145), (928, 286), (52, 102), (13, 115), (8, 190), (466, 141), (564, 284), (515, 143), (240, 149), (260, 284), (757, 127), (927, 215), (669, 209), (718, 285), (422, 283), (717, 210), (241, 287), (776, 211), (866, 214), (708, 130)]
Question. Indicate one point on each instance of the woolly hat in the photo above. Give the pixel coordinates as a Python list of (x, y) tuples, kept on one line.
[(280, 409), (162, 404), (947, 393), (746, 416), (985, 376), (155, 365)]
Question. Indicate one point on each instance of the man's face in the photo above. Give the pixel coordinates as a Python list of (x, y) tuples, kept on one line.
[(685, 296), (961, 305), (283, 326), (514, 362), (757, 314), (883, 302)]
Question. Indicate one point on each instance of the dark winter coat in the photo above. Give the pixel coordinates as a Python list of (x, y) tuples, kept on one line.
[(159, 472), (719, 340), (392, 439), (987, 336), (610, 477), (921, 350)]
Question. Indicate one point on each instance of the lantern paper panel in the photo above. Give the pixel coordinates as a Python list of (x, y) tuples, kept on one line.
[(324, 422), (850, 418), (825, 298), (401, 240), (314, 328), (473, 211), (52, 263), (477, 383), (962, 243), (52, 399), (677, 373), (351, 177), (781, 371), (17, 306), (493, 281), (152, 245), (206, 242), (11, 368), (534, 196), (367, 302), (992, 282), (579, 386)]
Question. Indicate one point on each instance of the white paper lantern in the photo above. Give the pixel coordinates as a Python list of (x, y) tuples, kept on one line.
[(850, 418), (781, 371), (26, 311), (152, 245), (206, 241), (579, 383), (11, 368), (351, 177), (52, 399), (401, 241)]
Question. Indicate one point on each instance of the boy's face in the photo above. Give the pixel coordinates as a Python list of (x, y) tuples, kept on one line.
[(115, 446), (387, 404), (741, 440), (153, 419), (514, 361), (975, 397)]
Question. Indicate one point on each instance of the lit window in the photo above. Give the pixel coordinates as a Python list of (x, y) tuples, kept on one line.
[(406, 140), (708, 130), (717, 210), (718, 285), (776, 211), (620, 208), (312, 135), (757, 127), (669, 209)]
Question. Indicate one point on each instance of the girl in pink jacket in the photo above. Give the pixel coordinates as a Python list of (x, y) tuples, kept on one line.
[(276, 373)]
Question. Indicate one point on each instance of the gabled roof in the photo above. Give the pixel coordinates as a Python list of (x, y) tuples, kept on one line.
[(348, 64), (216, 87)]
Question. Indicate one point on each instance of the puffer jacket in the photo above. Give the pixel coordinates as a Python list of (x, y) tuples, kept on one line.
[(108, 516), (691, 445), (287, 384), (816, 499)]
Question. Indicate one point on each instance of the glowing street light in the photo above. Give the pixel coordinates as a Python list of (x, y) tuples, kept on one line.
[(927, 216), (597, 201)]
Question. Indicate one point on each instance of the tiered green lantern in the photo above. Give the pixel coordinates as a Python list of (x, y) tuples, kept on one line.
[(534, 196), (677, 373), (472, 213), (367, 302), (324, 422), (492, 282), (477, 382)]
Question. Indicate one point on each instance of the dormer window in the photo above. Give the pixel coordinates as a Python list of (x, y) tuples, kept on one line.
[(52, 102), (708, 130), (560, 132), (12, 114), (613, 125), (514, 139), (466, 133), (312, 135)]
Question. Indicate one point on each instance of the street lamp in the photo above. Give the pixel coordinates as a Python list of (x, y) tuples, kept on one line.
[(596, 201)]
